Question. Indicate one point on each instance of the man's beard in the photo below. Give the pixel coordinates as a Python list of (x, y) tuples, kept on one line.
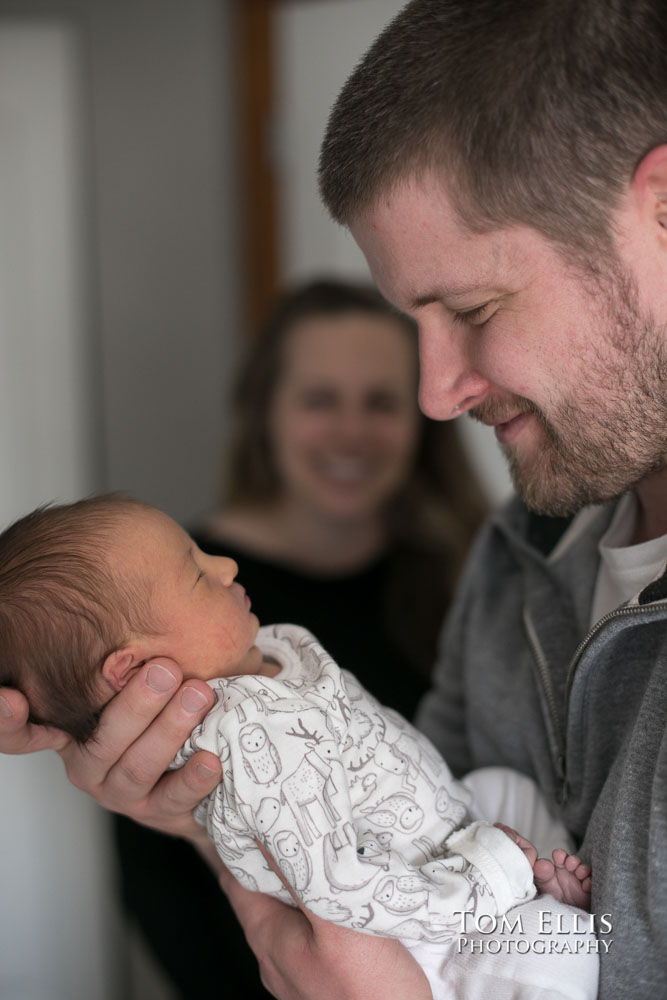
[(613, 433)]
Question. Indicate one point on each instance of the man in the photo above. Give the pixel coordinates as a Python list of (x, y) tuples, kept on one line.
[(502, 166)]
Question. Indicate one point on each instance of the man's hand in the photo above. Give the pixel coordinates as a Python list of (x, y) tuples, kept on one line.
[(123, 766), (17, 735), (304, 958)]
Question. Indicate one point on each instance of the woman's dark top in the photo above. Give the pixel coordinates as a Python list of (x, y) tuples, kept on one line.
[(166, 886)]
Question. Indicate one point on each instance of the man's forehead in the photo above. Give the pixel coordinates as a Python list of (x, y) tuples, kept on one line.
[(419, 252), (420, 279)]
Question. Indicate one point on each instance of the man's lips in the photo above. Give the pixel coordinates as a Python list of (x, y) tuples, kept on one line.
[(507, 418), (507, 431)]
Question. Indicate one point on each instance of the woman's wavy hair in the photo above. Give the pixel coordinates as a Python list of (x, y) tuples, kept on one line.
[(432, 519)]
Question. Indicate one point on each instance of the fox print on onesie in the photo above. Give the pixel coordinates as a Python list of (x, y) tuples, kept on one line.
[(359, 811)]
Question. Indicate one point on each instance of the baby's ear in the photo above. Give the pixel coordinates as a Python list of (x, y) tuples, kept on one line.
[(119, 667)]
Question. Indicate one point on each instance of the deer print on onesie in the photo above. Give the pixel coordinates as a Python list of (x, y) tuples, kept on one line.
[(358, 809)]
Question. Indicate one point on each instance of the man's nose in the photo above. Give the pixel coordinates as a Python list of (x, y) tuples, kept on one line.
[(449, 383)]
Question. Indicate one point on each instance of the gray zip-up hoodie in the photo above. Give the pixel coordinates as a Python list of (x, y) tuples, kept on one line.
[(522, 681)]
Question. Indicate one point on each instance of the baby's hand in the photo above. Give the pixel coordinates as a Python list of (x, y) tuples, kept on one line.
[(525, 845), (565, 878)]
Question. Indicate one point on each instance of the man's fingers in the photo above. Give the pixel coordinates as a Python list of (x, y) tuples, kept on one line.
[(201, 774), (123, 720), (17, 735), (178, 792), (150, 755), (139, 733)]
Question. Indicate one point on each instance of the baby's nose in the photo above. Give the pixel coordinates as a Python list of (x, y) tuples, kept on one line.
[(228, 569)]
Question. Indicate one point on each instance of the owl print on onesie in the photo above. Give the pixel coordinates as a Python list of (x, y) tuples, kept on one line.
[(358, 810)]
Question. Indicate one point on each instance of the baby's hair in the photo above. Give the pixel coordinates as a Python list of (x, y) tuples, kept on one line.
[(63, 609)]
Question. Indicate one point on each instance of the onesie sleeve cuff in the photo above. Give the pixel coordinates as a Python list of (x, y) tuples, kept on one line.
[(500, 861)]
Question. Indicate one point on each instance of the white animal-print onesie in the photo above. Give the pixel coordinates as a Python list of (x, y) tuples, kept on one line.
[(358, 809)]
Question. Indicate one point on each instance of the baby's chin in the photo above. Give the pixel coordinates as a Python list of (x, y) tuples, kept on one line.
[(253, 663)]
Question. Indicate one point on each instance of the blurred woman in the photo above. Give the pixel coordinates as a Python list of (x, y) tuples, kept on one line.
[(348, 512)]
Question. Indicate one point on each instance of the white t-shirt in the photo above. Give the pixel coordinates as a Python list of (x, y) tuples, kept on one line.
[(625, 569)]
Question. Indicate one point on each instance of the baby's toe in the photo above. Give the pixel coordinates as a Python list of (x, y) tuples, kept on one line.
[(543, 869), (559, 856)]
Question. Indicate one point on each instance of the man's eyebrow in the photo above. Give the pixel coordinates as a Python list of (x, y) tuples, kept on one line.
[(442, 293)]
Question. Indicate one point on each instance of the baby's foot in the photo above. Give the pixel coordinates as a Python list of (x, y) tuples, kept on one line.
[(565, 877)]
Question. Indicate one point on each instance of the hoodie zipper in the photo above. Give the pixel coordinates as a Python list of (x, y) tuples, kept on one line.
[(543, 670), (547, 687), (624, 612)]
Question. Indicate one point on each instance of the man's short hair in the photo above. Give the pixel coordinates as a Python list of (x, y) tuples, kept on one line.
[(531, 111), (62, 610)]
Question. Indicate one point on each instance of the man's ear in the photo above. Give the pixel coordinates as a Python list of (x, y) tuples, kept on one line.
[(119, 667), (649, 186)]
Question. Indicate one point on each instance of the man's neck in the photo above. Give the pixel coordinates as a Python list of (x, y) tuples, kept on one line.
[(652, 507)]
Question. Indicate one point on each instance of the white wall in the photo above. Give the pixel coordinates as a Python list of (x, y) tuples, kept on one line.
[(57, 941), (48, 438), (318, 44)]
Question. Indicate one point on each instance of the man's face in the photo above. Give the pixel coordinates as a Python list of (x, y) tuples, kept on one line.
[(560, 362)]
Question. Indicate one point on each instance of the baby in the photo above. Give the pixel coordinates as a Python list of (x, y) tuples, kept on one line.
[(364, 821)]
